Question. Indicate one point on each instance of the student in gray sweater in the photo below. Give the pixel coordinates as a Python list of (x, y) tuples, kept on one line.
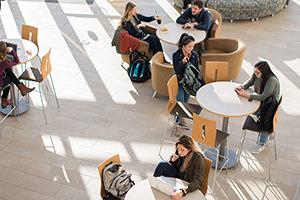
[(187, 163), (266, 85)]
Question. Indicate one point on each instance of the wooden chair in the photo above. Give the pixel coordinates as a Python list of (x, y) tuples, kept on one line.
[(206, 176), (176, 108), (204, 132), (216, 71), (30, 33), (114, 159), (39, 75), (252, 126)]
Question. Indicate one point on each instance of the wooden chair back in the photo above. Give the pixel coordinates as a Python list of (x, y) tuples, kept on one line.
[(216, 71), (172, 91), (275, 117), (30, 33), (46, 66), (206, 176), (114, 159), (204, 131)]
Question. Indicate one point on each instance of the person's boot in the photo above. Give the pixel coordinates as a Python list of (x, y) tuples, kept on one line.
[(4, 102), (24, 90)]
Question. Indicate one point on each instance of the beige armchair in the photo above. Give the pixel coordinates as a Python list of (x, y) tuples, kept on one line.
[(228, 50), (217, 23), (144, 47), (161, 72)]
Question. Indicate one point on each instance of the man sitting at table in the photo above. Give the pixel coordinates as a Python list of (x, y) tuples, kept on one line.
[(196, 17)]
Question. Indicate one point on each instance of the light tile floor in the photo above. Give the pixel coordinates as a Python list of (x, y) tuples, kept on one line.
[(102, 112)]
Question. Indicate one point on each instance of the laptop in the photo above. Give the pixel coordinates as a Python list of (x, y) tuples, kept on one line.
[(165, 185)]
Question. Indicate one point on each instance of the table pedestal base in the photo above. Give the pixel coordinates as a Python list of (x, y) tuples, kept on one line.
[(22, 107), (228, 153)]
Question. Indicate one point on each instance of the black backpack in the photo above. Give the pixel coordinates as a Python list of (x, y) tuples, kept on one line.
[(191, 80), (138, 70)]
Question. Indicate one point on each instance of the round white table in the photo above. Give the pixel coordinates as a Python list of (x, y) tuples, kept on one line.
[(26, 51), (170, 38), (143, 191), (220, 99)]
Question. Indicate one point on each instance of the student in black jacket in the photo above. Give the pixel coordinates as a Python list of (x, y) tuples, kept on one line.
[(132, 22), (196, 17), (184, 55)]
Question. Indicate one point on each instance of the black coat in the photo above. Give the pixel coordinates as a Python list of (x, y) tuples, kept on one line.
[(179, 67), (204, 19), (133, 30)]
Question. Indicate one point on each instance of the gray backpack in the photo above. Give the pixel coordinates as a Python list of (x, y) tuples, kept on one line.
[(117, 181), (191, 80)]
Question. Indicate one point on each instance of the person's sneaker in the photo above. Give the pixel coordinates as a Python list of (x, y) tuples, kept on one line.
[(258, 148), (183, 124), (271, 137), (254, 117), (177, 132)]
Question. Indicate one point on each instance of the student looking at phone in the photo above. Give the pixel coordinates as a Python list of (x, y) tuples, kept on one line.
[(196, 17), (267, 88), (187, 163)]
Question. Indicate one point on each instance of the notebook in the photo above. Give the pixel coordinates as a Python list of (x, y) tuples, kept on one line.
[(165, 185)]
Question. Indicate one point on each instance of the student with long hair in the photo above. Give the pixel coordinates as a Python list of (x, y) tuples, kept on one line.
[(6, 74), (184, 55), (132, 22), (266, 86), (187, 163)]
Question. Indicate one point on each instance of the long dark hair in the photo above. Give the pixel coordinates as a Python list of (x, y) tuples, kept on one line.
[(185, 39), (266, 72), (189, 143), (3, 47)]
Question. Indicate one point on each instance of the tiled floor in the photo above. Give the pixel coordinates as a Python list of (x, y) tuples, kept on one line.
[(102, 112)]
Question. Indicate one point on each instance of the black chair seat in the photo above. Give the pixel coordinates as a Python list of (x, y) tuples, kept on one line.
[(32, 74), (185, 110), (250, 125)]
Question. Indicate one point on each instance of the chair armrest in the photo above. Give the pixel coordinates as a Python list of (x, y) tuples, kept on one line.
[(149, 28), (144, 47), (221, 44)]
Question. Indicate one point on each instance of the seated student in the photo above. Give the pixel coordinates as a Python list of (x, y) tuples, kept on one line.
[(6, 74), (132, 22), (266, 85), (184, 55), (187, 163), (196, 17)]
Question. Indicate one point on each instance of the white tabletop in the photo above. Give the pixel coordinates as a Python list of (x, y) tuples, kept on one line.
[(26, 49), (143, 191), (174, 31), (221, 99)]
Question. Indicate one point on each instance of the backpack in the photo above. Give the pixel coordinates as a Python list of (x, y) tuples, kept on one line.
[(191, 80), (117, 181), (139, 67)]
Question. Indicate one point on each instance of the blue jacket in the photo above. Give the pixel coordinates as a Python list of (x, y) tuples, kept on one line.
[(204, 19), (133, 30), (179, 67)]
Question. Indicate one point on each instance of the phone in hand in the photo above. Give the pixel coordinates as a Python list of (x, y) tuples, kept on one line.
[(176, 152)]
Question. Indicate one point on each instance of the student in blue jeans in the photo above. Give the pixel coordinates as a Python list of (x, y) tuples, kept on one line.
[(266, 85), (181, 58)]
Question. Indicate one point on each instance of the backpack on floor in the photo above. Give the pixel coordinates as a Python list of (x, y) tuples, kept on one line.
[(191, 80), (139, 67), (117, 181)]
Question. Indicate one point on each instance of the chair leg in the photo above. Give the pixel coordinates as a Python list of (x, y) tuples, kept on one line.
[(154, 94), (40, 90), (54, 91), (163, 138), (216, 170), (241, 146), (14, 105), (275, 146)]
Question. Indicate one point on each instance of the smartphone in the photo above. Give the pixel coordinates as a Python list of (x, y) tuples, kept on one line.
[(176, 152)]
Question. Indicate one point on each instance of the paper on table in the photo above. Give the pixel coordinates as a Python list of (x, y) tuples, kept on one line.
[(165, 184)]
